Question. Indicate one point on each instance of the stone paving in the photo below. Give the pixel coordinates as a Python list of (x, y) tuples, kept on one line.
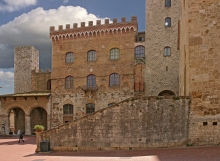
[(11, 150)]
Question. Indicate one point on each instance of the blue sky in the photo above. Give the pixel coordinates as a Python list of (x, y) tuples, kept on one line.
[(27, 22)]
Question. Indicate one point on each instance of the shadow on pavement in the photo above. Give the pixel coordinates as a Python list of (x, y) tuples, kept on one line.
[(14, 140)]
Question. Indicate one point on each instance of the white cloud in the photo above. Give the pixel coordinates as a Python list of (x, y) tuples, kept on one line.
[(6, 77), (32, 29), (65, 1), (14, 5)]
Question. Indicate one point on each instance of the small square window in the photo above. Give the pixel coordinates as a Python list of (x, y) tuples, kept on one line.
[(205, 123), (214, 123)]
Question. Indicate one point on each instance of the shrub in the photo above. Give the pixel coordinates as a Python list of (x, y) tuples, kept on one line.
[(39, 127)]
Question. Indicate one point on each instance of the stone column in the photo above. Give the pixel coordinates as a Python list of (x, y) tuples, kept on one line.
[(4, 125), (27, 125), (38, 140)]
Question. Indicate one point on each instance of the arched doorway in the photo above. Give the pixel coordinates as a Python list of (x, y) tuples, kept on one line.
[(38, 117), (166, 93), (16, 120)]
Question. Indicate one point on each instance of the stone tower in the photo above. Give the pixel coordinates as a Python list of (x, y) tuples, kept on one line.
[(162, 47), (26, 59), (200, 68)]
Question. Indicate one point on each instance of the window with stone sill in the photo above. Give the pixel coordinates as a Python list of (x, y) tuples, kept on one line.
[(167, 3), (114, 80), (167, 51), (67, 109), (69, 57), (91, 55), (114, 54), (91, 81), (167, 22), (90, 108), (69, 82), (140, 52)]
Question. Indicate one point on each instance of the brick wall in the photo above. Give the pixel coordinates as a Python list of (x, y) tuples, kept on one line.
[(79, 40)]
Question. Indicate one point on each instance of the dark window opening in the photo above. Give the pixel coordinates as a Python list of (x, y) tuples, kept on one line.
[(141, 39), (167, 51), (140, 52), (110, 104), (90, 107), (69, 57), (114, 54), (91, 81), (69, 82), (205, 123), (67, 109), (49, 85), (166, 93), (91, 56), (168, 22), (114, 79), (167, 3), (215, 123)]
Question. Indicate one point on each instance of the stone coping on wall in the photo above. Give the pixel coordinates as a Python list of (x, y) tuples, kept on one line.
[(30, 94)]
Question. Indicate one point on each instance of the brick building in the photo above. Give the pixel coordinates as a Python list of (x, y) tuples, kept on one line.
[(93, 66)]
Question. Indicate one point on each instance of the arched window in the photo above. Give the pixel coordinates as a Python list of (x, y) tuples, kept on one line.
[(167, 3), (114, 54), (67, 109), (167, 51), (114, 79), (90, 107), (91, 81), (168, 22), (49, 85), (69, 82), (69, 57), (91, 55), (139, 52)]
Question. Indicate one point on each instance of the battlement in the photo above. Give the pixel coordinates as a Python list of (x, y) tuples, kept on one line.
[(91, 29)]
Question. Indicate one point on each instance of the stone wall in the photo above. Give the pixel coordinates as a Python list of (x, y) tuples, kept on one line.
[(204, 73), (161, 73), (134, 123), (26, 59)]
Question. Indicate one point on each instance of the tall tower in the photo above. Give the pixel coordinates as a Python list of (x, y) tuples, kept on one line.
[(162, 47), (26, 59)]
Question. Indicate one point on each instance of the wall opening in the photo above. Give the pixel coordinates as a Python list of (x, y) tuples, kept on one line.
[(166, 93), (38, 117)]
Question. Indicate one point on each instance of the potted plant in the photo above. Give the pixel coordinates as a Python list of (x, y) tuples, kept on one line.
[(38, 128)]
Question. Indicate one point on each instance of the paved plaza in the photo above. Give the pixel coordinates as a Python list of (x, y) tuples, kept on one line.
[(11, 150)]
